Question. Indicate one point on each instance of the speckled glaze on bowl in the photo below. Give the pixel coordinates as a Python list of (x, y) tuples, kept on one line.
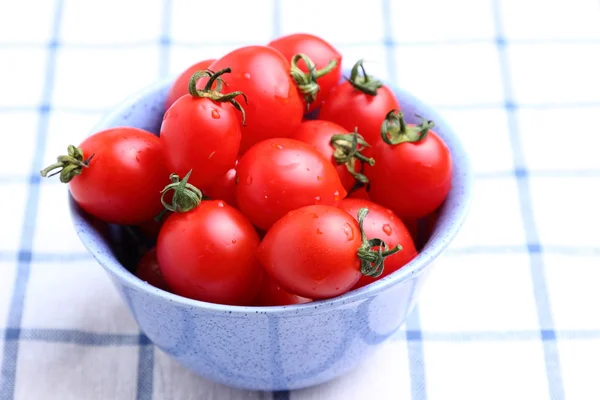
[(275, 348)]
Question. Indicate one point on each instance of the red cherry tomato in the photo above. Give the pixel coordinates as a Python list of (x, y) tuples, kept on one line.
[(116, 175), (321, 53), (274, 106), (360, 103), (318, 252), (320, 134), (271, 294), (180, 86), (279, 175), (224, 188), (149, 271), (383, 223), (201, 134), (208, 254), (413, 176)]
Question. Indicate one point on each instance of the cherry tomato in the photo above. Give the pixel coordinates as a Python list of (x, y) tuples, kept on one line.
[(279, 175), (224, 188), (179, 87), (115, 175), (208, 254), (335, 144), (201, 133), (361, 102), (382, 222), (413, 172), (318, 252), (149, 271), (274, 106), (271, 294), (327, 62)]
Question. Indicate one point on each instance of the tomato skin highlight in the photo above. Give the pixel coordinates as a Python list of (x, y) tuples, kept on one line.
[(318, 134), (149, 271), (271, 294), (201, 135), (352, 108), (413, 178), (381, 222), (312, 252), (320, 52), (179, 87), (279, 175), (208, 254), (123, 180), (274, 106)]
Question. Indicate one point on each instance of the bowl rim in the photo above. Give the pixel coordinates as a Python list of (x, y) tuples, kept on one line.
[(461, 194)]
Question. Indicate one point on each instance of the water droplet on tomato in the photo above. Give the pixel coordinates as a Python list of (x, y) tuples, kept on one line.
[(336, 196), (319, 178), (317, 199), (349, 231), (247, 75), (266, 197), (314, 215), (249, 180), (220, 204), (215, 114), (277, 146), (233, 241), (319, 232), (387, 229)]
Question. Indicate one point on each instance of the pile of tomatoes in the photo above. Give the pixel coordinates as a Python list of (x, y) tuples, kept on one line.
[(274, 180)]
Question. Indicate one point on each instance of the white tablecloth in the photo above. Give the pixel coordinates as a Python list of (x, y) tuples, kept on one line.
[(511, 312)]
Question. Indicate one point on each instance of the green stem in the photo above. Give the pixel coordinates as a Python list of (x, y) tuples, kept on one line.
[(307, 81), (372, 261), (68, 166), (394, 129), (215, 94), (365, 83), (347, 151), (186, 196)]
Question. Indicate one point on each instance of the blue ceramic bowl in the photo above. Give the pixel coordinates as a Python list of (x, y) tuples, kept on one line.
[(272, 348)]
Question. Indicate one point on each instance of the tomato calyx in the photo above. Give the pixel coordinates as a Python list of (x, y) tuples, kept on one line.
[(372, 261), (215, 94), (394, 129), (365, 82), (307, 81), (347, 151), (186, 196), (68, 166)]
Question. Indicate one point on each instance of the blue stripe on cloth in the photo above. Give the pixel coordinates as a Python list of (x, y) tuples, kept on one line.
[(416, 357), (494, 336), (78, 337), (552, 361), (15, 315), (281, 395), (391, 42), (145, 380)]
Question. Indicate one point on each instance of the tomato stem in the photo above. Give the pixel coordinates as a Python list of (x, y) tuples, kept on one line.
[(307, 81), (68, 166), (215, 94), (394, 129), (186, 196), (372, 261), (365, 83), (347, 151)]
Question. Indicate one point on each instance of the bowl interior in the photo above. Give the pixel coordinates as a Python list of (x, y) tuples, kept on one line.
[(118, 248)]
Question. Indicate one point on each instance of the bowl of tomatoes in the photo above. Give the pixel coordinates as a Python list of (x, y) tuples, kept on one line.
[(269, 217)]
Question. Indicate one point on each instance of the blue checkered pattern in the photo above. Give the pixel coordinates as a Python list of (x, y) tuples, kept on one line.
[(508, 313)]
